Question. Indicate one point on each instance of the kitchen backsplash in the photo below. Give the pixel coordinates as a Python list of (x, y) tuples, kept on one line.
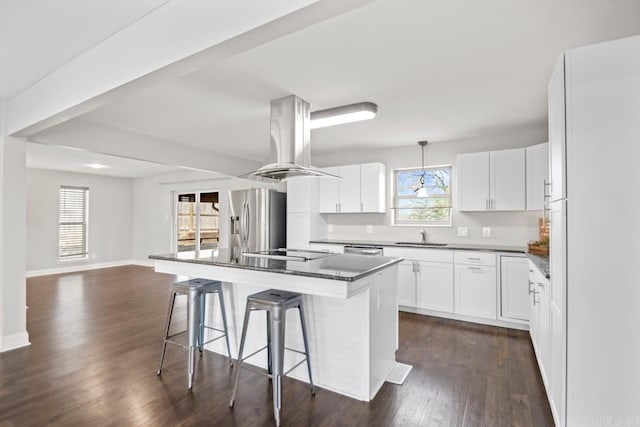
[(506, 228)]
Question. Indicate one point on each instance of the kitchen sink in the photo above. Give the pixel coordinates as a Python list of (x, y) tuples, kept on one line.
[(421, 244)]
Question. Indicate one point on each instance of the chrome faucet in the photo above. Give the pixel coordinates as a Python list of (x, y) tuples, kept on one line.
[(423, 234)]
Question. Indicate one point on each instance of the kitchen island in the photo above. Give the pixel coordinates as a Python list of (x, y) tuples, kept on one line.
[(351, 309)]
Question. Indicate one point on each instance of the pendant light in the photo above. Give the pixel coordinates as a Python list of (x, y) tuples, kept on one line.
[(421, 191)]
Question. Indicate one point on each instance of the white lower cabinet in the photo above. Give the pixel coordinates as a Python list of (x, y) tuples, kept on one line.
[(407, 284), (435, 286), (514, 296), (475, 291)]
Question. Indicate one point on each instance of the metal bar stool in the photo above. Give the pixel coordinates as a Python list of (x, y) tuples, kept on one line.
[(275, 303), (196, 291)]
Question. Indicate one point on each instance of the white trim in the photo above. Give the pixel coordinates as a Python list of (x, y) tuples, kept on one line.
[(82, 267), (13, 341), (142, 262)]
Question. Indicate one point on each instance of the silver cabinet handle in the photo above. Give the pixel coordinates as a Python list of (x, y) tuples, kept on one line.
[(486, 204), (544, 189), (361, 207), (540, 284), (530, 287), (473, 259), (336, 207), (475, 268), (534, 298), (492, 204)]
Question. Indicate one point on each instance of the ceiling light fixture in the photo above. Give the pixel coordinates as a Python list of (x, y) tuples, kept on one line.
[(96, 166), (344, 114), (421, 191)]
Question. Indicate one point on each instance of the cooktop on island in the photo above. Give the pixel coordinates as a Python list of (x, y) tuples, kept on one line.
[(288, 254)]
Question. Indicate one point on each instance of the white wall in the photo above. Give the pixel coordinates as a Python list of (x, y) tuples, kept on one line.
[(507, 228), (110, 218), (153, 197)]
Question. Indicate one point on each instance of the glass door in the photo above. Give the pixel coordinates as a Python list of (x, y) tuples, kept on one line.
[(197, 222)]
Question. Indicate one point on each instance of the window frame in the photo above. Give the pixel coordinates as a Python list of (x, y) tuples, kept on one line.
[(85, 254), (395, 198)]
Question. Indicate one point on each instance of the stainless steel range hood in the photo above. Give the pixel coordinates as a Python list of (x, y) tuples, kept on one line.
[(290, 142)]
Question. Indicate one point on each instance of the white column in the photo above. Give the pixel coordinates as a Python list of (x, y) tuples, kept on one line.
[(13, 295)]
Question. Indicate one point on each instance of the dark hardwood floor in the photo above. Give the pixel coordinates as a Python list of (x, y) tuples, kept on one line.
[(96, 338)]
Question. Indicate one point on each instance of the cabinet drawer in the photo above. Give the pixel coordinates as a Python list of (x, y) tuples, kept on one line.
[(430, 255), (475, 258)]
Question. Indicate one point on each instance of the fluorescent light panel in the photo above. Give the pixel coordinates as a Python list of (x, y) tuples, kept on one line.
[(344, 114)]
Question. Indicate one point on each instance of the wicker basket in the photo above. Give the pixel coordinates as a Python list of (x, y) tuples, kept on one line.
[(538, 249)]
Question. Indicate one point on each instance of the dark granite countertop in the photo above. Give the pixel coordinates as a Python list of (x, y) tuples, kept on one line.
[(459, 246), (349, 267), (541, 262)]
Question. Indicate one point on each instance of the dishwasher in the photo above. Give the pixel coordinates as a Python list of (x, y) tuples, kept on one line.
[(363, 250)]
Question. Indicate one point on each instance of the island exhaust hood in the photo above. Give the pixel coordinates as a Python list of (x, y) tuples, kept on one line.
[(290, 142)]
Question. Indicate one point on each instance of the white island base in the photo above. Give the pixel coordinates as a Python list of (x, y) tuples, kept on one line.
[(352, 326)]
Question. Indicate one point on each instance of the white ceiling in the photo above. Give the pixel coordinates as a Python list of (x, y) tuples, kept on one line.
[(438, 70), (38, 36), (44, 156)]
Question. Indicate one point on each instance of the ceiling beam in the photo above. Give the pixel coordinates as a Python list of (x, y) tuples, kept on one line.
[(174, 40)]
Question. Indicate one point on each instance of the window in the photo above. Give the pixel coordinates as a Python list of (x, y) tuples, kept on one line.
[(72, 226), (435, 209)]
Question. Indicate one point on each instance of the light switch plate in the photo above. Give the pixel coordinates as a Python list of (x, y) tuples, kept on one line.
[(463, 231), (369, 229), (330, 227), (486, 231)]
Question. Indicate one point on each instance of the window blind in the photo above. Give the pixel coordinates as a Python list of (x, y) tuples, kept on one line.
[(73, 222)]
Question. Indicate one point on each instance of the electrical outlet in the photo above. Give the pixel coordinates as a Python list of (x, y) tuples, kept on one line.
[(369, 229), (463, 231), (486, 231), (330, 227)]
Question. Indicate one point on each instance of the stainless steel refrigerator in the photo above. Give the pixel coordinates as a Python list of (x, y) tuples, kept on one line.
[(258, 220)]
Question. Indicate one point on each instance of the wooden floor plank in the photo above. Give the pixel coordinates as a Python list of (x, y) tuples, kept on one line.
[(96, 339)]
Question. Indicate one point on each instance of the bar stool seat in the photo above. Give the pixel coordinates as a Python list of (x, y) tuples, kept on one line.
[(276, 303), (196, 291)]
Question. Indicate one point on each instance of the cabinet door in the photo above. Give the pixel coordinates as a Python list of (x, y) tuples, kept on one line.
[(537, 175), (543, 338), (302, 194), (407, 284), (508, 181), (435, 286), (372, 187), (475, 291), (298, 230), (557, 134), (514, 289), (350, 189), (473, 181), (329, 191), (534, 317)]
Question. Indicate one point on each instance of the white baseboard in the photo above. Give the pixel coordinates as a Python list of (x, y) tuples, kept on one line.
[(80, 267), (13, 341), (143, 262)]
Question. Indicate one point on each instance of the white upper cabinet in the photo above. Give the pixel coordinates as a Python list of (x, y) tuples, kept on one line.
[(507, 182), (557, 133), (302, 195), (361, 188), (492, 181), (537, 175), (350, 189), (372, 187), (329, 191), (473, 181)]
